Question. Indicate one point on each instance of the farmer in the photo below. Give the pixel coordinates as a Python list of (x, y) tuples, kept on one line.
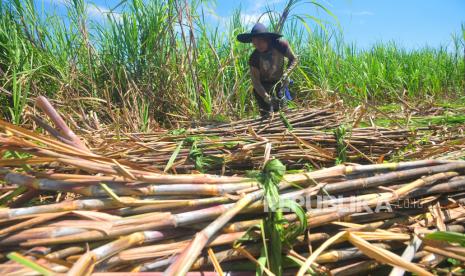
[(269, 79)]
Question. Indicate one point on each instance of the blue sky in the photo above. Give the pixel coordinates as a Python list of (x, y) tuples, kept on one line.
[(410, 23)]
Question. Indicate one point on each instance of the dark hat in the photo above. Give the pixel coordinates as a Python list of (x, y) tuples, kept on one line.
[(258, 30)]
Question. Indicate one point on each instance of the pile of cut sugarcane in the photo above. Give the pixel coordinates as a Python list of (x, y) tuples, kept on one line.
[(448, 143), (245, 145), (325, 117), (241, 152), (74, 211), (299, 138)]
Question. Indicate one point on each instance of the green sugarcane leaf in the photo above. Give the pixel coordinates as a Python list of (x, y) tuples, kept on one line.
[(274, 171), (273, 224), (173, 156), (248, 236), (297, 229), (177, 132), (262, 260), (285, 121), (341, 146), (453, 262), (18, 191), (201, 161), (252, 174), (30, 264), (231, 145), (264, 251), (193, 140), (276, 248), (451, 237)]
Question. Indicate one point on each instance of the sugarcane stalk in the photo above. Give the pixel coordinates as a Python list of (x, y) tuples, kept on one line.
[(68, 134), (392, 176), (86, 262), (30, 222), (160, 250), (184, 261), (84, 204), (21, 132), (124, 189), (210, 203), (167, 220)]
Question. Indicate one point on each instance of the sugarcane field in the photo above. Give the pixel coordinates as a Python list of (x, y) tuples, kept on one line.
[(249, 137)]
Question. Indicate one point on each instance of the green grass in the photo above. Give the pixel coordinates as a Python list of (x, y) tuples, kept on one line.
[(145, 58), (444, 120)]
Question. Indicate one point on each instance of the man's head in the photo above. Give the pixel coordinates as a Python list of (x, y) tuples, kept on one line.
[(261, 43)]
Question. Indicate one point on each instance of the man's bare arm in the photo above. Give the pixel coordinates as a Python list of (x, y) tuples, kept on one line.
[(293, 60), (257, 85)]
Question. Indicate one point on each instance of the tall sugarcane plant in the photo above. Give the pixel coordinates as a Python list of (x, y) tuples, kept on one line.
[(168, 55)]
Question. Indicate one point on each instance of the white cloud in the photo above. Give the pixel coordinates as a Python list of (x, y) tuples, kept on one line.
[(256, 9), (249, 15), (253, 17)]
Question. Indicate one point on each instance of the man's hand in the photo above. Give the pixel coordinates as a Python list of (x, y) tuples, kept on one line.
[(284, 79), (282, 83), (267, 98)]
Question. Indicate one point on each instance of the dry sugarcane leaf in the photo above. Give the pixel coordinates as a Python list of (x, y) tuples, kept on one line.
[(102, 226), (382, 235), (254, 260), (384, 256), (358, 227), (31, 222), (57, 145), (336, 238), (126, 173), (407, 255), (26, 161), (438, 216), (437, 250), (267, 154), (98, 216), (215, 262), (325, 153)]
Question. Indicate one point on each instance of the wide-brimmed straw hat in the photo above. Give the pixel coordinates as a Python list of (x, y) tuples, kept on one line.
[(258, 30)]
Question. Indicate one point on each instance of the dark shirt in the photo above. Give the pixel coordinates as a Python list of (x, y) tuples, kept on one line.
[(270, 63)]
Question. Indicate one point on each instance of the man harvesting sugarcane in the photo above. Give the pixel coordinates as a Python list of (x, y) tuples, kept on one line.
[(269, 79)]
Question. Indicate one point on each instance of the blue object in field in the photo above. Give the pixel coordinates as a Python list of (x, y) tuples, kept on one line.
[(287, 92)]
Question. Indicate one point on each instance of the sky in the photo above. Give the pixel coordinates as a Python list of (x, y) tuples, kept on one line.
[(409, 23)]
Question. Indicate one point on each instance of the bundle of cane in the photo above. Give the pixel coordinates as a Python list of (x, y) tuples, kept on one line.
[(293, 138), (298, 148), (120, 216), (125, 218)]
